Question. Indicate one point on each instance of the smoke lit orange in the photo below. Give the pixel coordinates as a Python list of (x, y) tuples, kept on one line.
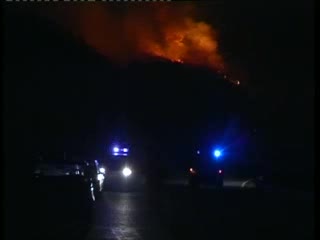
[(190, 42), (128, 31)]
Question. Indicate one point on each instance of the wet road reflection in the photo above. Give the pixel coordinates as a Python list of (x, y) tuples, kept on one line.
[(176, 214), (126, 216)]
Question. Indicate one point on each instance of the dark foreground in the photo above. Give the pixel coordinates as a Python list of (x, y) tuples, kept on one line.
[(176, 212)]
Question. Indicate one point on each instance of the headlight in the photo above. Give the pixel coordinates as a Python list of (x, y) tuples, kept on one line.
[(126, 172), (100, 177), (102, 170)]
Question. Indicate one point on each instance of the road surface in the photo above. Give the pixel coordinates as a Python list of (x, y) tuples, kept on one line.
[(178, 213)]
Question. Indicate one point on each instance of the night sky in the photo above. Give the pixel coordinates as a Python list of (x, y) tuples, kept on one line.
[(61, 95)]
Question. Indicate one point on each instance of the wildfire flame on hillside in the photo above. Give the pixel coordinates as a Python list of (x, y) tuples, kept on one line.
[(124, 32)]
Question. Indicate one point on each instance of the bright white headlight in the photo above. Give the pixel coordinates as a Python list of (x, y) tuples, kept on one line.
[(100, 177), (126, 172), (102, 170)]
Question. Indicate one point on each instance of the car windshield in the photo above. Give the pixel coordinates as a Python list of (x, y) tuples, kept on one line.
[(54, 168)]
